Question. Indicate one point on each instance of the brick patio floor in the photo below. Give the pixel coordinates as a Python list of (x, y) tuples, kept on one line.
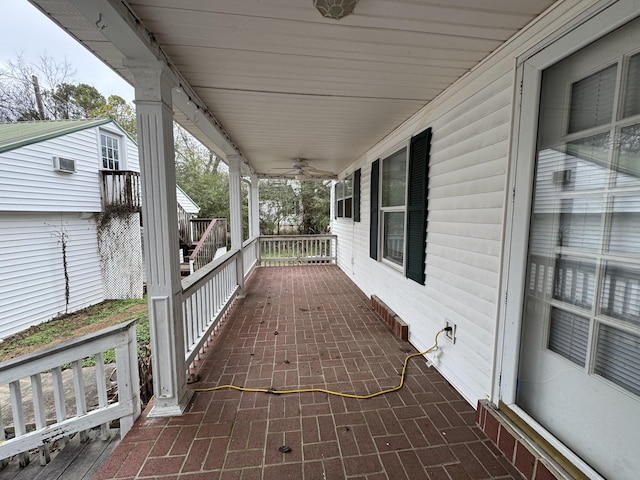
[(302, 327)]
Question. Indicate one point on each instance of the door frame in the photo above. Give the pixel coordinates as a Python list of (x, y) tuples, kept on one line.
[(601, 18)]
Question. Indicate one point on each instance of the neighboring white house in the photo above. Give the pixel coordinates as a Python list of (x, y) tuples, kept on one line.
[(69, 219)]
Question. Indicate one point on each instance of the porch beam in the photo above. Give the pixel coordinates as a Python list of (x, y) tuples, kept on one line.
[(134, 40), (254, 207), (153, 84), (235, 213)]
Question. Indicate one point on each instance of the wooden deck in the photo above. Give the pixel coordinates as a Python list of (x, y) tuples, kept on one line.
[(76, 461)]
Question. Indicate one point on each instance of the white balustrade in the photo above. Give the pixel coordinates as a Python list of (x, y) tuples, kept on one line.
[(250, 255), (298, 249), (206, 296), (23, 376)]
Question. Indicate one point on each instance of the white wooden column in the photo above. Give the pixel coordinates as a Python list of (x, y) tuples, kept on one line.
[(254, 207), (235, 214), (159, 213)]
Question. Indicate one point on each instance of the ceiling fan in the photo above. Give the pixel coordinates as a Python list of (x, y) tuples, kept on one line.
[(301, 170)]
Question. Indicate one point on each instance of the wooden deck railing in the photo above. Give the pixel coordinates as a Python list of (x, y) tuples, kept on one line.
[(23, 376), (120, 189), (184, 226), (211, 238), (298, 249)]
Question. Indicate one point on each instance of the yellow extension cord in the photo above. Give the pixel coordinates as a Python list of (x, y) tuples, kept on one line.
[(323, 390)]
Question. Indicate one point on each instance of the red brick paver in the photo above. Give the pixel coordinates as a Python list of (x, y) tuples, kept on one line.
[(311, 327)]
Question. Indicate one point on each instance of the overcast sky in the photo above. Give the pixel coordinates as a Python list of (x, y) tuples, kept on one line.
[(24, 30)]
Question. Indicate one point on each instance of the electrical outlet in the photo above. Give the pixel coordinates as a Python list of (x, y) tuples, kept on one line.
[(450, 334)]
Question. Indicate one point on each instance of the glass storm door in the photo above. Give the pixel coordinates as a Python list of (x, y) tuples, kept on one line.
[(579, 373)]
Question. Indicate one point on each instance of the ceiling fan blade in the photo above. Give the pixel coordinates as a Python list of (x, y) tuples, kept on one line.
[(317, 171)]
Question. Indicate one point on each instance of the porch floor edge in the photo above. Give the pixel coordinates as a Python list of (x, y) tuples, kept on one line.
[(533, 457)]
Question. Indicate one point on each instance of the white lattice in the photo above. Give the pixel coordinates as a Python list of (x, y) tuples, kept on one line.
[(121, 256)]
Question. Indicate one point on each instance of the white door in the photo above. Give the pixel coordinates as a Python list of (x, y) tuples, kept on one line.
[(579, 370)]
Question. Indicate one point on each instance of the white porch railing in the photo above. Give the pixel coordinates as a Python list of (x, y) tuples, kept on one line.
[(250, 255), (297, 249), (24, 377), (206, 295)]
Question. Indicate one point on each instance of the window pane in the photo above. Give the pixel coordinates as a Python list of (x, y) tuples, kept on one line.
[(592, 100), (568, 335), (575, 281), (628, 171), (394, 172), (588, 161), (618, 358), (580, 220), (632, 98), (348, 186), (625, 225), (621, 292), (348, 207), (393, 225)]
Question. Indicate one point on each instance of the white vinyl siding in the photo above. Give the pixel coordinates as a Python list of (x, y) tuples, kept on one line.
[(32, 281), (471, 125), (29, 183)]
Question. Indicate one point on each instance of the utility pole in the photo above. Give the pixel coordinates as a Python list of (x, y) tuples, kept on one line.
[(36, 88)]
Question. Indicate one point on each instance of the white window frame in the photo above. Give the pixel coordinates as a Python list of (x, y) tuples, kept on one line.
[(591, 25), (341, 196), (121, 149), (406, 145)]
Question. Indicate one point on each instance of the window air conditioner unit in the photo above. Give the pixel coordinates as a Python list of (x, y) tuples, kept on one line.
[(65, 165)]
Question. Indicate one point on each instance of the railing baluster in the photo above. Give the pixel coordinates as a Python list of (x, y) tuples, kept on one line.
[(101, 383), (18, 417), (81, 398), (125, 392), (3, 436), (39, 415), (58, 396)]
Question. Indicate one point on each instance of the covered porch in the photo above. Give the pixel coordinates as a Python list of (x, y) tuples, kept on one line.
[(427, 117), (300, 327)]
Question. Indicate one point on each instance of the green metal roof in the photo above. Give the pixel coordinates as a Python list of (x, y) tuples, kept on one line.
[(19, 134)]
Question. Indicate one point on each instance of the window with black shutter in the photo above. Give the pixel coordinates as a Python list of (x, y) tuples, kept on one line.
[(399, 189)]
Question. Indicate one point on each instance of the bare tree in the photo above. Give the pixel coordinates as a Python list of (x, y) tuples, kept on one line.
[(18, 99)]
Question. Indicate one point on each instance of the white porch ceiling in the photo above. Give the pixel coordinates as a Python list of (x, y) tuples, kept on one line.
[(286, 83)]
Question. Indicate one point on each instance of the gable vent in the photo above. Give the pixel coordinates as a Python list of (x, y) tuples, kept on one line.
[(64, 165)]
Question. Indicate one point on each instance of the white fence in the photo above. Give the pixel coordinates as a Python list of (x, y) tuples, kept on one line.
[(24, 376), (298, 249)]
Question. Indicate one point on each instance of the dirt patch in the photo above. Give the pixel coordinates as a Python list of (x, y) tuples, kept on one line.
[(65, 327), (112, 319)]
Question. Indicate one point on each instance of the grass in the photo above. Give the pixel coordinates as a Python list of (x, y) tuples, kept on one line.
[(88, 320)]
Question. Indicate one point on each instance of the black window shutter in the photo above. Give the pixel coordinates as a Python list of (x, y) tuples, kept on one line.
[(373, 224), (335, 199), (356, 195), (417, 206)]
